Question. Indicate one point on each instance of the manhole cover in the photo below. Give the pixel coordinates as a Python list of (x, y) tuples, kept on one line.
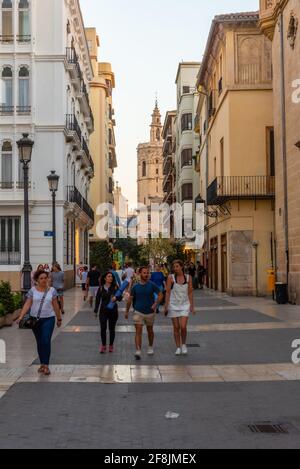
[(268, 428)]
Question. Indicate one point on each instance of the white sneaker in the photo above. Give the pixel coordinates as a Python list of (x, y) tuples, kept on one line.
[(150, 351), (178, 351), (184, 350), (138, 354)]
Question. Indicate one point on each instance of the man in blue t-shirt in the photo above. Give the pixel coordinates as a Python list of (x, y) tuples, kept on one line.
[(142, 298)]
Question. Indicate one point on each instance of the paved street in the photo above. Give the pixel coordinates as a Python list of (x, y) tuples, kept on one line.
[(238, 373)]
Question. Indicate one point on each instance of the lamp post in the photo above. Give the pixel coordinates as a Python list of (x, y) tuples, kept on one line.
[(53, 180), (25, 146)]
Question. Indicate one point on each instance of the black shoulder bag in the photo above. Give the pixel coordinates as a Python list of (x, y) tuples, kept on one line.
[(29, 322)]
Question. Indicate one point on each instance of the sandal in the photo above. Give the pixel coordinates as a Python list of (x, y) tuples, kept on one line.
[(41, 369), (47, 372)]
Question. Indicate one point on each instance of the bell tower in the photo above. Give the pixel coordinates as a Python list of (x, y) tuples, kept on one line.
[(156, 127)]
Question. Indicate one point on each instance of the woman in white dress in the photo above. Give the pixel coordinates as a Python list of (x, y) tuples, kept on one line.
[(179, 304)]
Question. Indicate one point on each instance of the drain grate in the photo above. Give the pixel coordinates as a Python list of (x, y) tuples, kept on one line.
[(193, 345), (269, 428)]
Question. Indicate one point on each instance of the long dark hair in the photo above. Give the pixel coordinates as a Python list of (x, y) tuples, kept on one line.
[(103, 280)]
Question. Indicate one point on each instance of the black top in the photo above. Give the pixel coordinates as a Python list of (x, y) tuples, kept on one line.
[(104, 298), (94, 277), (192, 271)]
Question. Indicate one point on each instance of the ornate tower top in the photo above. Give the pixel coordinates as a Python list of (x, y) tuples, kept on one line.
[(156, 126)]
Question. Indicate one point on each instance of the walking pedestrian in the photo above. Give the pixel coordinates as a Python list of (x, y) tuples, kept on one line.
[(158, 278), (57, 281), (83, 278), (115, 274), (201, 274), (43, 306), (179, 304), (143, 300), (93, 283), (192, 271), (106, 294)]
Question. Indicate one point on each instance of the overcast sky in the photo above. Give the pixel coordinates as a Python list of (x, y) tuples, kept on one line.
[(145, 40)]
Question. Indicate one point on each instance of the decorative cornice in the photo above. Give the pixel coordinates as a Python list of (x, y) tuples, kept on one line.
[(269, 17)]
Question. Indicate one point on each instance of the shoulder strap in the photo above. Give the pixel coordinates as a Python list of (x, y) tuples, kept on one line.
[(42, 303)]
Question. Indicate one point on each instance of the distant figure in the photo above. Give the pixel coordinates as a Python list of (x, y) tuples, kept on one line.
[(201, 272), (93, 283), (83, 278), (57, 280)]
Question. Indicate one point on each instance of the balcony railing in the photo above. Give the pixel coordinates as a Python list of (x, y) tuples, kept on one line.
[(87, 152), (23, 38), (227, 188), (74, 196), (8, 257), (23, 110), (6, 39), (6, 110), (72, 125)]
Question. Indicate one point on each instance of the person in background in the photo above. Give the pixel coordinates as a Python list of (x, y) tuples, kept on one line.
[(129, 273), (106, 294), (57, 281), (83, 278), (145, 306), (159, 280), (179, 304), (93, 283), (115, 274), (42, 301), (201, 274), (39, 268), (192, 272), (165, 270)]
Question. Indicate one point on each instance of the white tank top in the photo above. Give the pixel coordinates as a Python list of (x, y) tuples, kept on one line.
[(179, 299)]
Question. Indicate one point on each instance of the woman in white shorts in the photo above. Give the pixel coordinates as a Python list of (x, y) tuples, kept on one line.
[(179, 304)]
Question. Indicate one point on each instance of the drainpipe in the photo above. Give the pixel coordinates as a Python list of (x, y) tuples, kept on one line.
[(284, 147)]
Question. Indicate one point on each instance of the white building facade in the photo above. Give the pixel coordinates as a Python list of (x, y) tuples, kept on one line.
[(45, 72), (187, 142)]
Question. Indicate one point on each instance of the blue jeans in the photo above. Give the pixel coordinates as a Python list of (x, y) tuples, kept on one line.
[(43, 334)]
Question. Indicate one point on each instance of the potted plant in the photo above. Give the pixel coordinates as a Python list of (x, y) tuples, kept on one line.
[(10, 305)]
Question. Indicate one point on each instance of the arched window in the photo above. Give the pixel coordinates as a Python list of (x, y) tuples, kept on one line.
[(158, 134), (24, 89), (7, 21), (144, 169), (24, 21), (6, 165), (7, 80)]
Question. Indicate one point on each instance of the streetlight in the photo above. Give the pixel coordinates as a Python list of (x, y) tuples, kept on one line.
[(25, 146), (53, 180)]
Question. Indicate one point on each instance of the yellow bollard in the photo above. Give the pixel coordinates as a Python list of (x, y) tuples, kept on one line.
[(271, 280)]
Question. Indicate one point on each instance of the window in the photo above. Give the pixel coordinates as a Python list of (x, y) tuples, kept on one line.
[(24, 90), (270, 151), (186, 122), (24, 21), (7, 83), (6, 166), (10, 244), (187, 157), (144, 169), (187, 192), (158, 134), (186, 90), (7, 21)]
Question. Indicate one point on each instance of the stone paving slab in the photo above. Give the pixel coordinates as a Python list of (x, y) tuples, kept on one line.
[(216, 348), (116, 374), (133, 416)]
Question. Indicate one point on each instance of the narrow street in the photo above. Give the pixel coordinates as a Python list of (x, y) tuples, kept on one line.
[(238, 373)]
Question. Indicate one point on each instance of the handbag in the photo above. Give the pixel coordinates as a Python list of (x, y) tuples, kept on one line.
[(30, 322)]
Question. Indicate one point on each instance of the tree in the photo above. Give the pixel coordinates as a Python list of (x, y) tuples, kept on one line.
[(158, 250), (101, 255), (179, 252)]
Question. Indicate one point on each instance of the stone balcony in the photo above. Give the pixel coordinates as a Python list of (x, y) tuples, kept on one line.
[(268, 12)]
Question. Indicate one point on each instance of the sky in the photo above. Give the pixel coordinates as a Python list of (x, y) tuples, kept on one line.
[(145, 40)]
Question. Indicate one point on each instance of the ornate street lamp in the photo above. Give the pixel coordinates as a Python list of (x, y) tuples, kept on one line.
[(25, 146), (53, 180)]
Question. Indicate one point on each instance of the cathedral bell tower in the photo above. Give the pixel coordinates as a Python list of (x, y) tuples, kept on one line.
[(156, 127)]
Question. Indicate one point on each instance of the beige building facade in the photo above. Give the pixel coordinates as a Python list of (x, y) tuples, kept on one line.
[(103, 142), (236, 157), (279, 20), (169, 167)]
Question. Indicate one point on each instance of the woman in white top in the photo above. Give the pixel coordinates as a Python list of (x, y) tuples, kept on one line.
[(42, 303), (179, 304)]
